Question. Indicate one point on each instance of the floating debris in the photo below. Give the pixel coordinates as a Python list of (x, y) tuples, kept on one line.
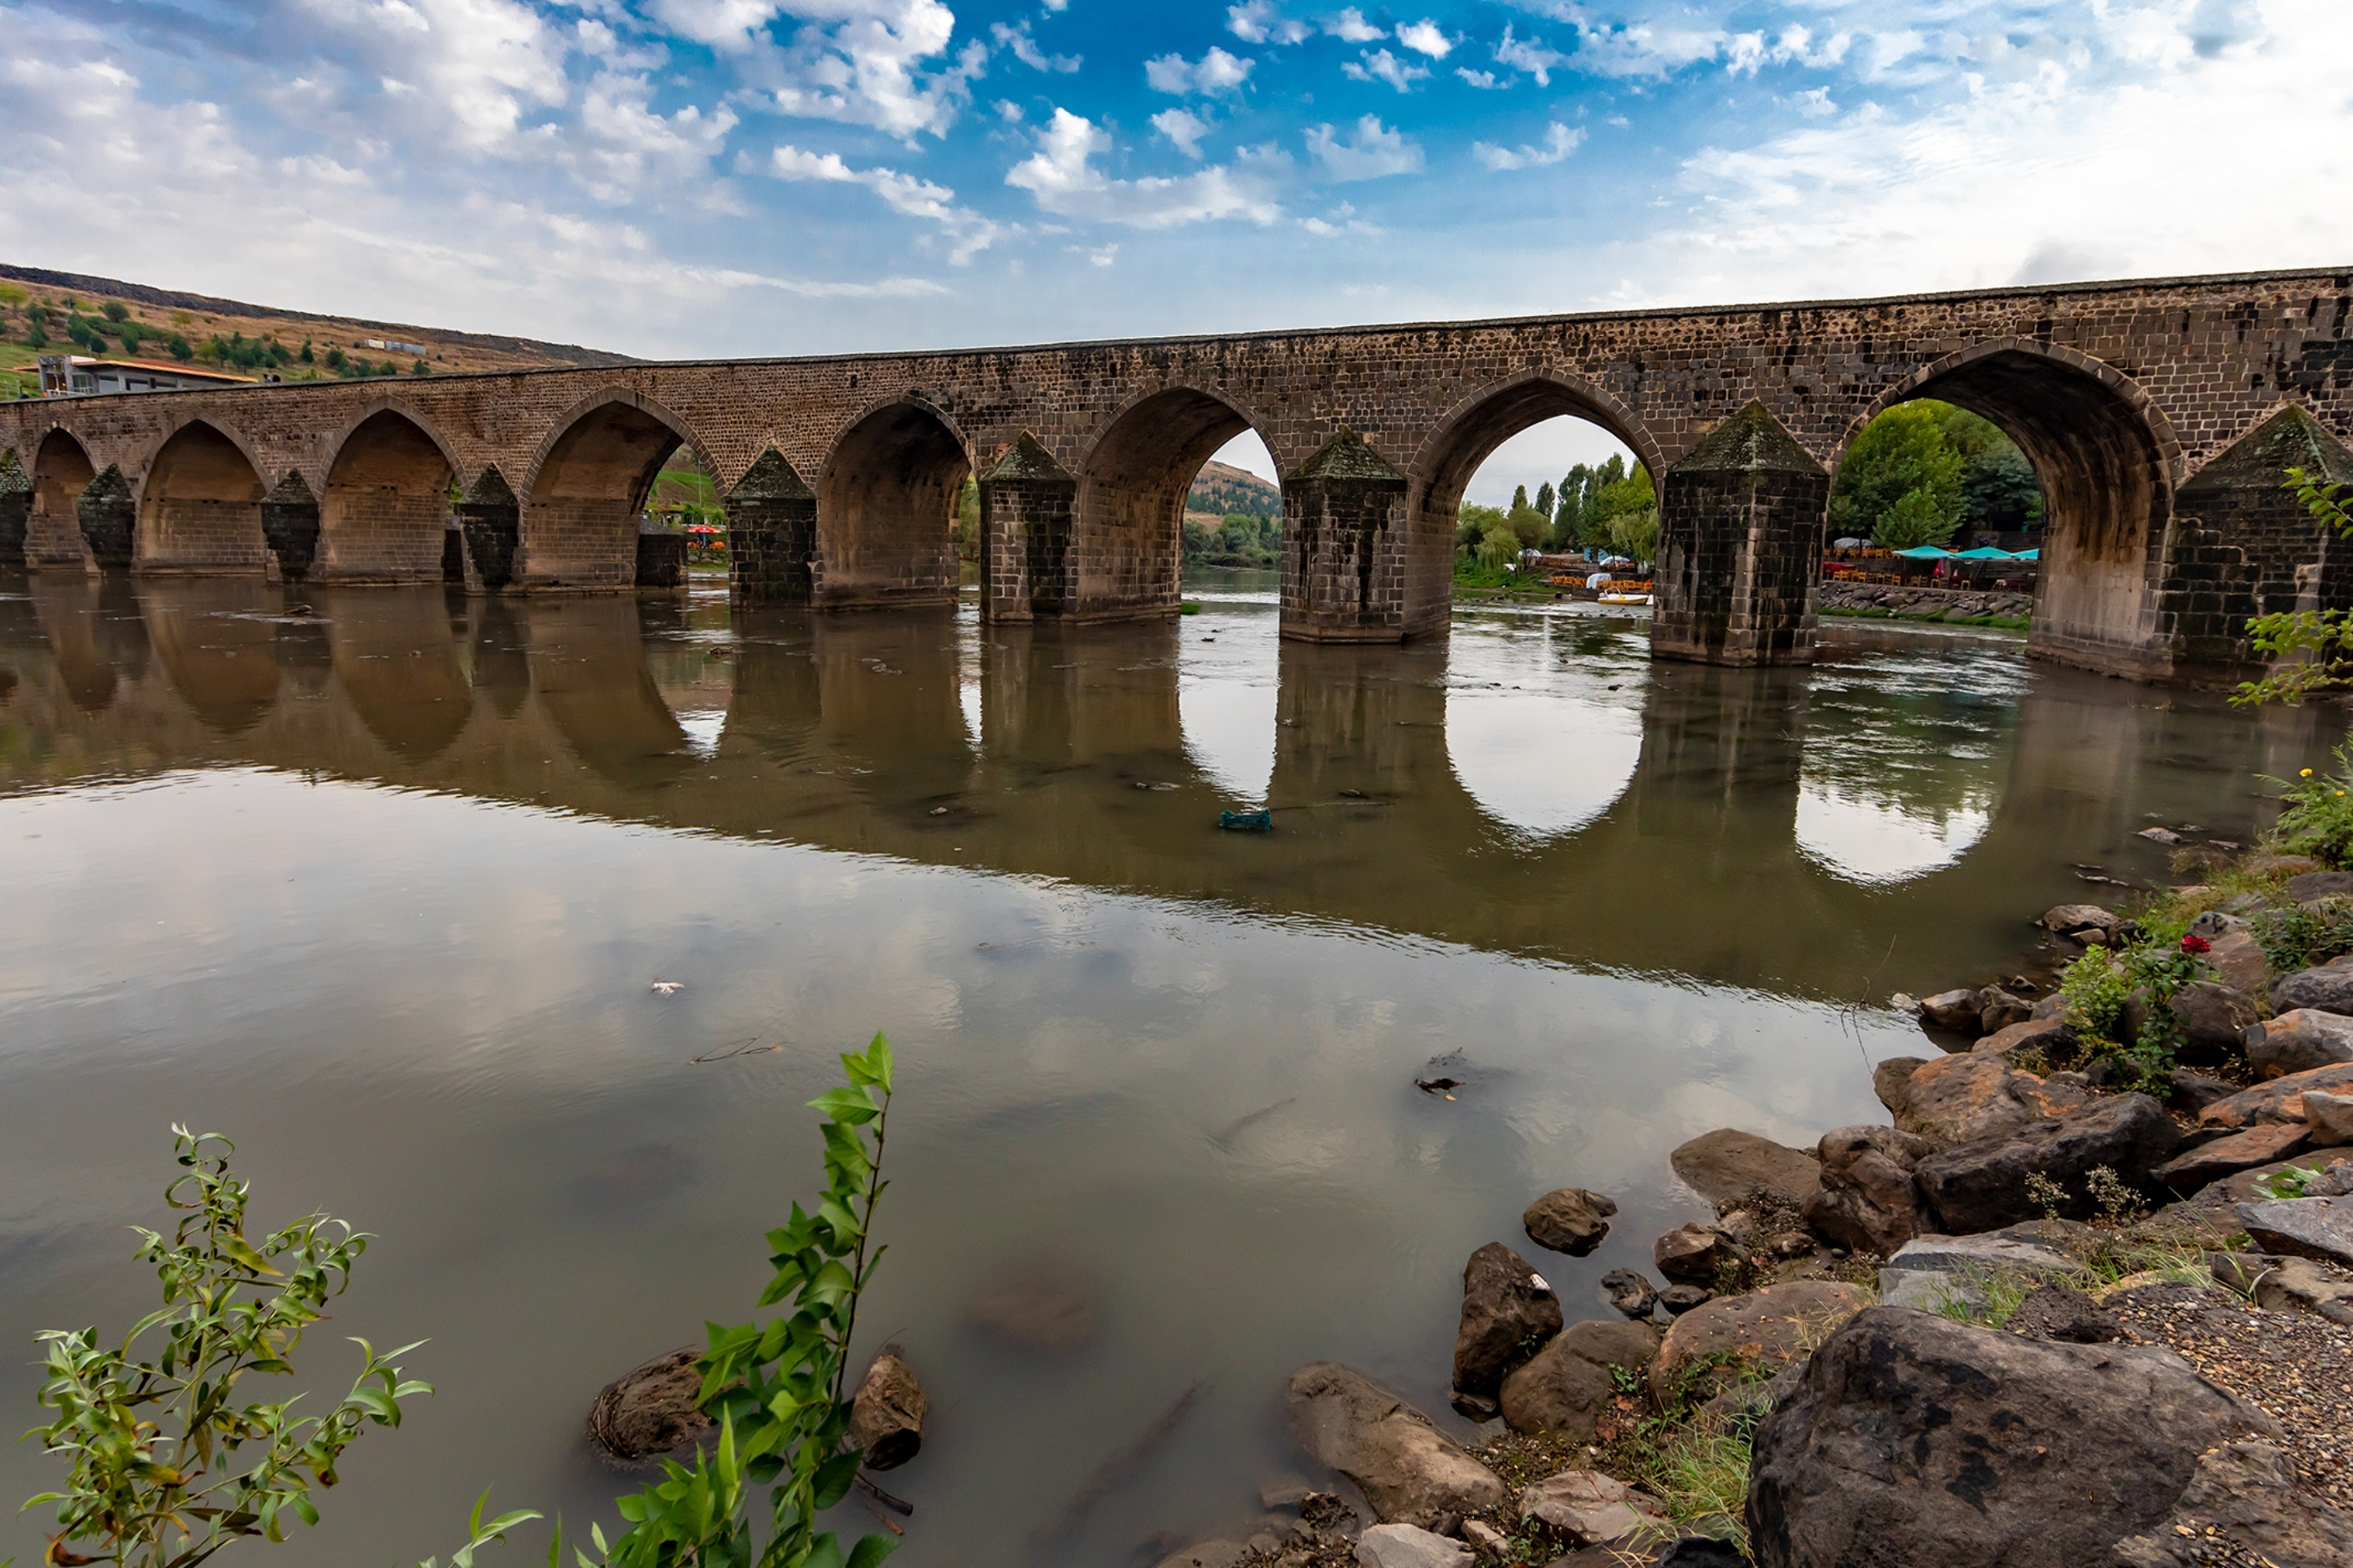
[(667, 987), (1445, 1086), (1246, 821)]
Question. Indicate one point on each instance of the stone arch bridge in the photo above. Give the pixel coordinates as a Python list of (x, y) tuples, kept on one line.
[(2158, 414)]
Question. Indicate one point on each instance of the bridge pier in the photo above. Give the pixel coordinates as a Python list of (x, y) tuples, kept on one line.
[(109, 520), (771, 533), (1740, 547), (1027, 503), (289, 526), (1357, 563), (16, 508)]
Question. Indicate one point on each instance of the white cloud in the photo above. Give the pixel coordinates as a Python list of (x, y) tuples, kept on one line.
[(1061, 175), (1527, 55), (1425, 38), (1215, 72), (1025, 49), (966, 231), (1184, 128), (482, 64), (1485, 80), (1382, 65), (1342, 219), (1558, 143), (1375, 153), (868, 69), (1350, 26), (1641, 49), (1102, 256), (636, 148), (1816, 102), (1257, 22)]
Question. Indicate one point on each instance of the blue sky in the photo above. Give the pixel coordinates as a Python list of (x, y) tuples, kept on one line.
[(744, 177)]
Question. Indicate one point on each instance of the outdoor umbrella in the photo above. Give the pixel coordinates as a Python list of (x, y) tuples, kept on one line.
[(1982, 552), (1925, 552)]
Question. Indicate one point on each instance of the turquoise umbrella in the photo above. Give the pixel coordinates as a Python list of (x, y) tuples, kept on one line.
[(1925, 552), (1982, 552)]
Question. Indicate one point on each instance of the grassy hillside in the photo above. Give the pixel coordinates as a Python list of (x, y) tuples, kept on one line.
[(1221, 488), (133, 321)]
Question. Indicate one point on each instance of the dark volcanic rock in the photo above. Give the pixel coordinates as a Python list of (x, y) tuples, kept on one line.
[(2214, 1017), (1630, 1292), (1956, 1098), (1999, 1009), (2303, 1228), (2297, 1041), (1693, 1253), (1726, 1167), (1570, 1220), (1868, 1201), (1913, 1439), (647, 1412), (2053, 1037), (2328, 988), (2315, 885), (1737, 1335), (1680, 1298), (2228, 1155), (1408, 1470), (2247, 1492), (1505, 1305), (1890, 1080), (1953, 1010), (1982, 1185), (1567, 1386), (2281, 1099)]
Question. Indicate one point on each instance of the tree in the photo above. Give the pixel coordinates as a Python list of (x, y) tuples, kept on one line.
[(1471, 525), (305, 356), (1903, 450), (1519, 496), (1636, 533), (1498, 546), (1545, 500), (1528, 525), (1999, 491), (421, 368), (1618, 495), (1919, 516), (180, 349), (117, 311)]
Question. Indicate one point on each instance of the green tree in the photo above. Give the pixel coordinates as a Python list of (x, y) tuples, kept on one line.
[(1471, 524), (305, 356), (1636, 533), (1545, 500), (1919, 516), (1903, 450), (1620, 494), (1498, 547), (1519, 496), (117, 311), (180, 349), (1999, 492), (1528, 525)]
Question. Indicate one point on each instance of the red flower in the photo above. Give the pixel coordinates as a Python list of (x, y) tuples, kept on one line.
[(2196, 944)]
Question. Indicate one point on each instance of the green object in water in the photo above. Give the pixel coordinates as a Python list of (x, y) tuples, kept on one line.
[(1246, 821), (1189, 607)]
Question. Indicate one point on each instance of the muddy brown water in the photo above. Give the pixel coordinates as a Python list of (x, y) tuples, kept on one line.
[(381, 889)]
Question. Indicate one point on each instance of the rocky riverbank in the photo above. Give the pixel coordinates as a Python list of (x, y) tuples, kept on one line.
[(1986, 607), (2073, 1304)]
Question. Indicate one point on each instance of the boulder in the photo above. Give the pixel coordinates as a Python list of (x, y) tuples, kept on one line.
[(1932, 1271), (1956, 1100), (1736, 1335), (1410, 1546), (2194, 1091), (1999, 1009), (1591, 1508), (1630, 1293), (2288, 1284), (1570, 1220), (2320, 1228), (2310, 886), (1409, 1471), (1680, 1298), (1982, 1186), (2228, 1155), (2053, 1037), (1505, 1305), (1868, 1201), (1567, 1386), (2055, 1312), (647, 1412), (2214, 1017), (1726, 1167), (2329, 1117), (886, 1417), (2297, 1041), (2239, 959), (2247, 1493), (2074, 920), (1913, 1439), (2281, 1099), (1953, 1010), (2328, 988), (1693, 1253), (1890, 1080)]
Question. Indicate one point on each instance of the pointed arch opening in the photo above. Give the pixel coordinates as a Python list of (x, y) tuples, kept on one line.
[(61, 470), (886, 511), (587, 497), (384, 517), (200, 509), (2104, 468), (1127, 541)]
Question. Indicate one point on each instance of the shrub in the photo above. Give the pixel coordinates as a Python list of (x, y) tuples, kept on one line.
[(117, 311), (2096, 987), (2318, 820), (180, 348)]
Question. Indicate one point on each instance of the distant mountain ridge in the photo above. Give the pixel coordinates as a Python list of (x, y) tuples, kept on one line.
[(1221, 488), (460, 351)]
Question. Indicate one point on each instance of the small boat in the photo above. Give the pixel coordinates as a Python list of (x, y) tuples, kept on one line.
[(1625, 598)]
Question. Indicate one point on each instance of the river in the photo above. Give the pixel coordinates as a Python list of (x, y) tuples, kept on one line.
[(381, 889)]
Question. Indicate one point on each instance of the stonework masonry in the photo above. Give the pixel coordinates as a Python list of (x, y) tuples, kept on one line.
[(2122, 395)]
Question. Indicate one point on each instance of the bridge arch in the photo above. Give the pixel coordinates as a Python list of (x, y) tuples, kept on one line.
[(1468, 433), (1127, 544), (886, 497), (588, 481), (60, 470), (2109, 461), (382, 515), (200, 504)]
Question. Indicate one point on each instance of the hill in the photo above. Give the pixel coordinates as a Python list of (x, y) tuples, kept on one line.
[(1221, 488), (240, 338)]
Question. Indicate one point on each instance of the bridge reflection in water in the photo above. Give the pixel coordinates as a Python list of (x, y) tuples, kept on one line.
[(1887, 816)]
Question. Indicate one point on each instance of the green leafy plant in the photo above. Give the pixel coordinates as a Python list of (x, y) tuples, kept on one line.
[(2312, 648), (2318, 820), (1987, 1297), (2281, 1186), (2096, 987), (2294, 936), (154, 1439), (479, 1534), (776, 1387)]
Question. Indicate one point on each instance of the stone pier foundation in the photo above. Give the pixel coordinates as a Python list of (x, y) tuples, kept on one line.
[(1740, 547)]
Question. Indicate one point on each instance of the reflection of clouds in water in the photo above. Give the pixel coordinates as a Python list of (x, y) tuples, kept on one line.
[(1867, 840), (968, 697), (1230, 733), (1542, 771), (704, 730)]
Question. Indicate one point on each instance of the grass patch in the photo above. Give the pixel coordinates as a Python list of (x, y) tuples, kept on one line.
[(2001, 622), (1189, 607)]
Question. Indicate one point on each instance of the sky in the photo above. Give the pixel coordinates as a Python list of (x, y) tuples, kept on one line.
[(697, 178)]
